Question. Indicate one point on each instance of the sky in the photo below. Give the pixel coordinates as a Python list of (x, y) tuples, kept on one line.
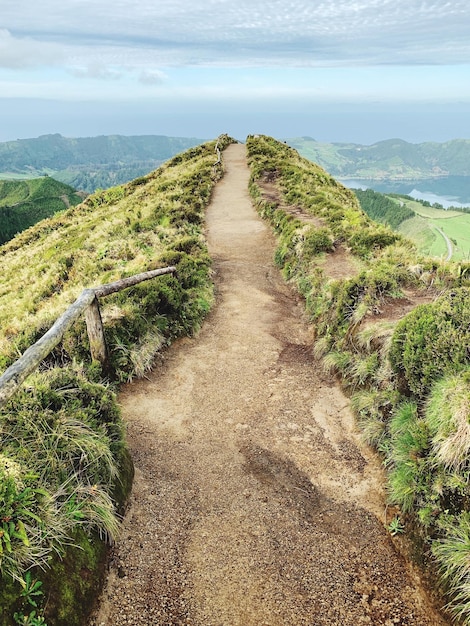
[(338, 71)]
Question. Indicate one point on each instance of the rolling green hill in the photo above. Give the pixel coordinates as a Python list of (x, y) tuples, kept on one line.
[(392, 159), (89, 163), (430, 227), (435, 232), (381, 208), (26, 202)]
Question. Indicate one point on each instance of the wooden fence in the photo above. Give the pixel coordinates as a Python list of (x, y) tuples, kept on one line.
[(86, 303)]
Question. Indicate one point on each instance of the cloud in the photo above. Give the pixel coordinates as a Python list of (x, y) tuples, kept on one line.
[(96, 71), (152, 77), (25, 52), (241, 32)]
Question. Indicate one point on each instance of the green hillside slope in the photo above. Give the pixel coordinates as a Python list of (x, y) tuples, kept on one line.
[(89, 163), (26, 202), (64, 467), (394, 326), (381, 208), (435, 232)]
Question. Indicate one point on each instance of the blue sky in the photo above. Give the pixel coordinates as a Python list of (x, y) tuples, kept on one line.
[(338, 70)]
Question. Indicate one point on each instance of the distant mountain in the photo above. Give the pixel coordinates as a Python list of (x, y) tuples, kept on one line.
[(26, 202), (89, 163), (391, 159)]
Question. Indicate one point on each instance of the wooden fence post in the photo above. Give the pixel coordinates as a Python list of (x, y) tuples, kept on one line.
[(94, 325), (12, 378), (86, 303)]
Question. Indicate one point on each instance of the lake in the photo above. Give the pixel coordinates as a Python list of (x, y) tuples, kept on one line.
[(447, 191)]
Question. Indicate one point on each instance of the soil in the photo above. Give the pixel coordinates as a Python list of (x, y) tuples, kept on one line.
[(255, 502)]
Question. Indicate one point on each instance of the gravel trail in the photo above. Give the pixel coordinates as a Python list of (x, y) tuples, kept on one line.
[(254, 503)]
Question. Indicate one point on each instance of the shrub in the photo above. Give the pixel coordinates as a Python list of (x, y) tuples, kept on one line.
[(452, 553), (448, 417), (408, 482), (365, 241), (373, 408), (432, 340), (65, 472), (315, 241)]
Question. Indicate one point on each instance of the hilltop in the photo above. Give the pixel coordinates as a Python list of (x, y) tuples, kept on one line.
[(390, 159), (248, 465), (89, 163)]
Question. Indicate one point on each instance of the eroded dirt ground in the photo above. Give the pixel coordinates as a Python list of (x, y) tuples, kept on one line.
[(254, 501)]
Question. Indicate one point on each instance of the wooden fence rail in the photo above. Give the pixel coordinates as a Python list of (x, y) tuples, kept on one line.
[(86, 303)]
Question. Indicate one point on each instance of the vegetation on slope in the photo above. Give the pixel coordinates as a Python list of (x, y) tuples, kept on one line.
[(90, 163), (64, 467), (383, 209), (409, 378), (427, 226), (24, 203)]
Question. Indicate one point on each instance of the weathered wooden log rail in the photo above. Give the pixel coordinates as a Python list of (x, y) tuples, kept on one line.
[(86, 303)]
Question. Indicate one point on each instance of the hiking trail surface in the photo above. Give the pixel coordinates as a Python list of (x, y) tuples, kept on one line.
[(254, 501)]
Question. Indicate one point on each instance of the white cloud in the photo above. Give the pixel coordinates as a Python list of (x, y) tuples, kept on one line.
[(25, 52), (96, 71), (152, 77), (243, 32)]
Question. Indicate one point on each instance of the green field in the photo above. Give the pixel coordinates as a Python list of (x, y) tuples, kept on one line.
[(430, 212), (422, 230)]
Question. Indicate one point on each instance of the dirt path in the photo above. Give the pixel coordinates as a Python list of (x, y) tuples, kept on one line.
[(254, 504), (450, 250)]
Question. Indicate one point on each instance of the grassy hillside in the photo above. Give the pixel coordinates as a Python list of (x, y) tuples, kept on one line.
[(383, 209), (395, 328), (89, 163), (24, 203), (393, 158), (427, 227), (64, 469)]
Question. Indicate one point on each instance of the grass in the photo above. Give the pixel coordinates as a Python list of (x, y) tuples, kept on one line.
[(408, 378), (458, 231), (64, 467), (422, 230), (113, 234), (448, 417), (429, 211), (452, 554), (427, 240)]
